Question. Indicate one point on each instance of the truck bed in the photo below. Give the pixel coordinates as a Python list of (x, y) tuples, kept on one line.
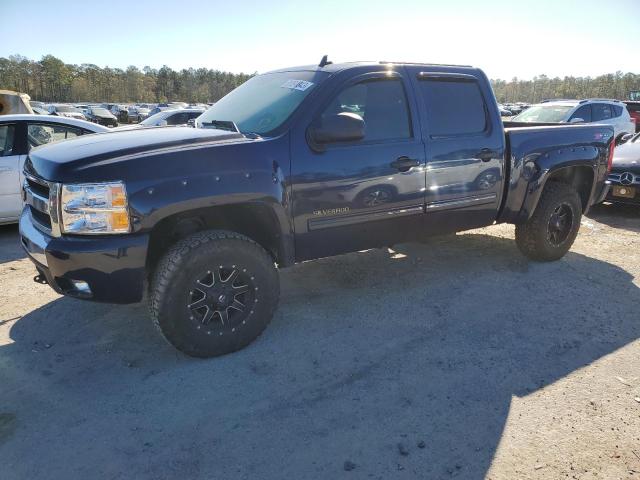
[(534, 149)]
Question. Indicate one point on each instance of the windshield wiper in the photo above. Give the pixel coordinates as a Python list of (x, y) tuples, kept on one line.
[(253, 135), (227, 125)]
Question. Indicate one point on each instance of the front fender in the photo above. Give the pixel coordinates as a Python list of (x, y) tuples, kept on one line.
[(252, 174)]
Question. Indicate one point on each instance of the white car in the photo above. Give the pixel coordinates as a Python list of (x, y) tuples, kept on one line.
[(172, 117), (594, 110), (66, 111), (18, 135)]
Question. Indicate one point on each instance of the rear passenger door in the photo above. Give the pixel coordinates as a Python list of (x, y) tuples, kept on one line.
[(464, 148)]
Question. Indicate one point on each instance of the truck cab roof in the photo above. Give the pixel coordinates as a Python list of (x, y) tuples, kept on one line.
[(338, 67)]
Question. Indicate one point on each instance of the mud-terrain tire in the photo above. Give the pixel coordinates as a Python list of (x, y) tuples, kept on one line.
[(553, 227), (213, 293)]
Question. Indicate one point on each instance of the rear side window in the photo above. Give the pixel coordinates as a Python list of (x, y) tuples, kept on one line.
[(7, 134), (381, 103), (584, 112), (601, 111), (178, 119), (39, 134), (617, 110), (453, 107)]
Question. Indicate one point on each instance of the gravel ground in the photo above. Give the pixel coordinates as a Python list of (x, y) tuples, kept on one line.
[(456, 358)]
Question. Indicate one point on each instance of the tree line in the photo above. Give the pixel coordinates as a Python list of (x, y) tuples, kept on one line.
[(52, 80), (613, 85)]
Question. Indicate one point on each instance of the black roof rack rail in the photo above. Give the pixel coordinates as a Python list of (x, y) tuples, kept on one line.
[(547, 100), (603, 100), (385, 62)]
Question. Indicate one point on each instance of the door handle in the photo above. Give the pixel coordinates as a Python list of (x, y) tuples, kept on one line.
[(486, 154), (404, 163)]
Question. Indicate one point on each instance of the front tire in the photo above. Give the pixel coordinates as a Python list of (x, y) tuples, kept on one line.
[(213, 293), (553, 227)]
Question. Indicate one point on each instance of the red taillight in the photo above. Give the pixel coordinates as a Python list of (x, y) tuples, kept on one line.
[(612, 147)]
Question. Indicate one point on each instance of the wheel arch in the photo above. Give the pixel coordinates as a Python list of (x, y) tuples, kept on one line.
[(262, 222), (580, 176)]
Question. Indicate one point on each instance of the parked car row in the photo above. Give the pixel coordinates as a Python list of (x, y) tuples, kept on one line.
[(510, 109), (112, 114)]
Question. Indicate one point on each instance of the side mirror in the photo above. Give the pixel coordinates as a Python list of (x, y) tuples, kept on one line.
[(624, 138), (576, 120), (162, 123), (343, 127)]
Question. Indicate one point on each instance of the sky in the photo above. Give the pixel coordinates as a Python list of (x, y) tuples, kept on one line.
[(515, 38)]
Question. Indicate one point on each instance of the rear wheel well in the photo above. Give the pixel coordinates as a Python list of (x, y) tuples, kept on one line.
[(579, 177), (256, 221)]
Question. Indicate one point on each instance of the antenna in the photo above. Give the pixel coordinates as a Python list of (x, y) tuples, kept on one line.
[(325, 61)]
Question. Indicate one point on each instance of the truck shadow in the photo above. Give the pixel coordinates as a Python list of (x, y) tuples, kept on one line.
[(10, 248), (423, 346), (617, 215)]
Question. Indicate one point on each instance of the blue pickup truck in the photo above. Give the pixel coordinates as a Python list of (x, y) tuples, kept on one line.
[(294, 165)]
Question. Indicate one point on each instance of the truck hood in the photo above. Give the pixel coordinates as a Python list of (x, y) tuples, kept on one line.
[(626, 158), (53, 161)]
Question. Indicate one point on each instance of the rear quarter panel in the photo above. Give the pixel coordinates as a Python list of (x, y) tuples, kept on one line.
[(535, 153)]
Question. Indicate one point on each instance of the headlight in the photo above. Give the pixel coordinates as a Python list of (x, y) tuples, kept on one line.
[(94, 208)]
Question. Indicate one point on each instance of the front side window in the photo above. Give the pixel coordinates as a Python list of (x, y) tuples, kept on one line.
[(454, 107), (601, 111), (382, 104), (39, 134), (584, 112), (177, 119), (7, 134)]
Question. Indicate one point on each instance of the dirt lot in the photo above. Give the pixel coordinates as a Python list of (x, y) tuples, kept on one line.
[(456, 358)]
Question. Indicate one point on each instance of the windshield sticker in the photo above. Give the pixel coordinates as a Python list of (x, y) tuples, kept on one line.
[(297, 85)]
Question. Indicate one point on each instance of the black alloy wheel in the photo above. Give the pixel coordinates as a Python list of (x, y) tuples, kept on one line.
[(221, 299), (560, 224)]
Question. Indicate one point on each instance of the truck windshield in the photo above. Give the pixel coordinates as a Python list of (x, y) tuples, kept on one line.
[(262, 103), (544, 113)]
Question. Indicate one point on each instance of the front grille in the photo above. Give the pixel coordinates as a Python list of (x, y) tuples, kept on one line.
[(625, 178), (41, 198), (38, 186)]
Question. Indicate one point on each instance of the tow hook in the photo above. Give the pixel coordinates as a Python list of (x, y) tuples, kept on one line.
[(40, 278)]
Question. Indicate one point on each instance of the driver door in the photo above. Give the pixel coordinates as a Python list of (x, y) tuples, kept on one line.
[(366, 193)]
